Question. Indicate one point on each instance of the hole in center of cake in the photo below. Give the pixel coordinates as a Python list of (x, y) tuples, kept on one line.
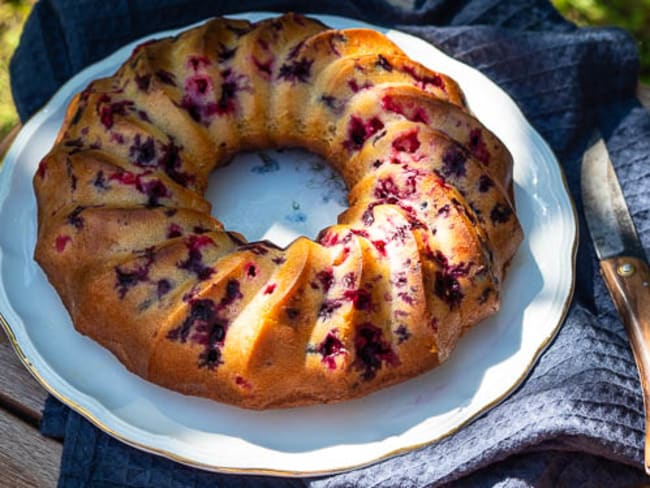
[(277, 195)]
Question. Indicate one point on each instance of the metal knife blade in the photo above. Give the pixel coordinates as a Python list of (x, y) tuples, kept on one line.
[(608, 218)]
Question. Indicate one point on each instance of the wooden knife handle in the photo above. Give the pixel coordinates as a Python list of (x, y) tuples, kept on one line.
[(628, 281)]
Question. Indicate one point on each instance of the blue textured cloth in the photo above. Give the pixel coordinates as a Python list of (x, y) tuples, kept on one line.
[(578, 418)]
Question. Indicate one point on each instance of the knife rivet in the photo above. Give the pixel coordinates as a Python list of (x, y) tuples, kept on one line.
[(626, 270)]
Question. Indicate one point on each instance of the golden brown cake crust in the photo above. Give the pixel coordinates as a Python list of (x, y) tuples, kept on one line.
[(126, 237)]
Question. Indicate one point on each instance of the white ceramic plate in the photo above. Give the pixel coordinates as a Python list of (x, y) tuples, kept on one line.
[(302, 197)]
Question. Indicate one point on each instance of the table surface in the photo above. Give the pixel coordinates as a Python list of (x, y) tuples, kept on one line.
[(28, 458)]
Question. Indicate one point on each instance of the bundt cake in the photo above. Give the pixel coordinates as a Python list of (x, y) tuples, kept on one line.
[(126, 237)]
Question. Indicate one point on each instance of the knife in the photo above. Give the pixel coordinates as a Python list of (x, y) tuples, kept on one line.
[(623, 262)]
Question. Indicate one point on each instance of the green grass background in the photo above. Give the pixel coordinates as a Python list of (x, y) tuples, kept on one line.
[(632, 15)]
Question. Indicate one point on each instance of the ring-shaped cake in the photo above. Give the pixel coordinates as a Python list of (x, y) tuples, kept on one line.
[(126, 236)]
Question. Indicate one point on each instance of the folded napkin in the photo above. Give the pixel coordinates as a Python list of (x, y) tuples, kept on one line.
[(578, 418)]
